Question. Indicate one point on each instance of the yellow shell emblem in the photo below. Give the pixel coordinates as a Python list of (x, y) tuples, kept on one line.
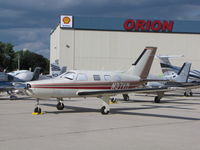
[(66, 20)]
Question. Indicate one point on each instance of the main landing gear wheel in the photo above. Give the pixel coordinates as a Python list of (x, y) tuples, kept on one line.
[(113, 100), (104, 111), (13, 97), (157, 99), (126, 97), (188, 94), (185, 94), (38, 110), (60, 106)]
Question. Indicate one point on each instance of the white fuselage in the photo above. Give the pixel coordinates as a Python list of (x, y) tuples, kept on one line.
[(68, 84)]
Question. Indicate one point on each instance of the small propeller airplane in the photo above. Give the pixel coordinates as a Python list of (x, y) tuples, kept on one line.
[(177, 81), (100, 84), (169, 69), (14, 81)]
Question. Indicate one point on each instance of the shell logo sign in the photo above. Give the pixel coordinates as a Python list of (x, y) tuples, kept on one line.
[(66, 21)]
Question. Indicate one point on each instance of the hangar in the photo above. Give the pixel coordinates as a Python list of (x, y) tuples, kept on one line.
[(94, 43)]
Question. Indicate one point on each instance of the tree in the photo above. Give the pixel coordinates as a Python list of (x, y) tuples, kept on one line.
[(31, 60), (9, 59), (6, 56)]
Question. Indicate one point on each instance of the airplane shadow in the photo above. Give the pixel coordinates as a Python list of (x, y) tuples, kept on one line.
[(122, 111)]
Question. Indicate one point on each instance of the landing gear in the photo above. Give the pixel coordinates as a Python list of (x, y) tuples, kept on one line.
[(105, 109), (37, 109), (126, 97), (60, 105), (188, 93), (113, 100), (13, 97), (157, 99)]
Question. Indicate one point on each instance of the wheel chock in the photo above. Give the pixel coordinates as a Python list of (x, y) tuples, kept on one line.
[(35, 113), (111, 102)]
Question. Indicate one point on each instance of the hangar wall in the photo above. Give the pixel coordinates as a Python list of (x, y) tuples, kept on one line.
[(116, 50)]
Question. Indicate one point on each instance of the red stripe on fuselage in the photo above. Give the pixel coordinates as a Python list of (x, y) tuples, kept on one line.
[(86, 85), (95, 88)]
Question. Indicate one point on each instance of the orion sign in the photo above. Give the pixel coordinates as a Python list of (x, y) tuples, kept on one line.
[(148, 25)]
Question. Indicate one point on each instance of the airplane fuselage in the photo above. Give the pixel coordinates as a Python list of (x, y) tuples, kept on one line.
[(68, 84)]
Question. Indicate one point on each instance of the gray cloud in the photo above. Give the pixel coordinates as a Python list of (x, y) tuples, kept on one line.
[(27, 24)]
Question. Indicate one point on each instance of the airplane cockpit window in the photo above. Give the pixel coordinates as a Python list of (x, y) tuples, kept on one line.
[(107, 77), (68, 75), (82, 77), (97, 77)]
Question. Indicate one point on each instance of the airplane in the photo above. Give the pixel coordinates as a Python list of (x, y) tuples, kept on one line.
[(100, 84), (13, 82), (24, 75), (169, 69), (173, 80)]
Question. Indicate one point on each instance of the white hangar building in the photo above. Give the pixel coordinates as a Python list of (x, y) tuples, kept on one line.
[(93, 43)]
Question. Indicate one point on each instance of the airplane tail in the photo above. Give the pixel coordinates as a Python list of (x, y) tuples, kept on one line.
[(63, 69), (36, 73), (183, 74), (166, 65), (142, 65), (57, 70)]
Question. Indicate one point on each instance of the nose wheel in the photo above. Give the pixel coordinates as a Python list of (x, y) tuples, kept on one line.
[(37, 110)]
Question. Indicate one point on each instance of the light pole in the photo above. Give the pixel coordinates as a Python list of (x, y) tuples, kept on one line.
[(18, 61)]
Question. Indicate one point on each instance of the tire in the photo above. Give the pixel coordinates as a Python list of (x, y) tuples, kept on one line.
[(113, 100), (103, 111), (12, 97), (126, 97), (157, 99), (185, 94), (60, 106), (38, 110)]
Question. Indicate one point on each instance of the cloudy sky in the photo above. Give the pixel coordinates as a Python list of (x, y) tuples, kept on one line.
[(27, 23)]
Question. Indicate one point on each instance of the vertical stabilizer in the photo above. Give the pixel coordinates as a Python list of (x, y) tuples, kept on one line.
[(36, 73), (142, 65), (183, 73)]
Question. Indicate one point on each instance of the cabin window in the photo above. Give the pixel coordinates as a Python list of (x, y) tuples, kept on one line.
[(97, 77), (82, 77), (107, 77)]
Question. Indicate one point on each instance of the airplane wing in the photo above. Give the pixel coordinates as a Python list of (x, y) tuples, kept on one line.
[(139, 90), (122, 91), (10, 86)]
